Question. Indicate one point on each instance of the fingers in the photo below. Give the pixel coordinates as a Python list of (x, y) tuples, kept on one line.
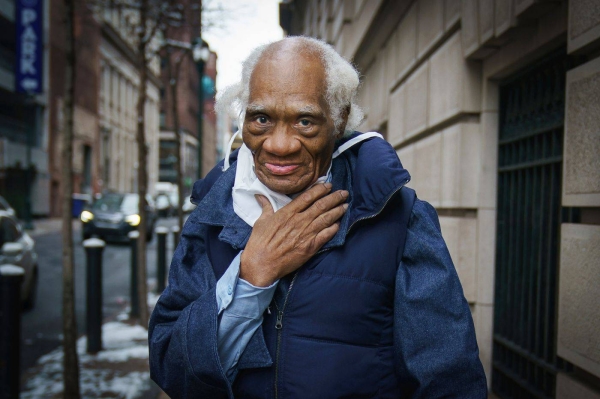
[(325, 235), (326, 219), (307, 198), (327, 203)]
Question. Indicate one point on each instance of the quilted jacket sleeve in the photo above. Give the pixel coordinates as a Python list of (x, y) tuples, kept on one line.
[(184, 360), (437, 354)]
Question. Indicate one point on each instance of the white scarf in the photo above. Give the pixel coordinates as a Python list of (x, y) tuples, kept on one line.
[(247, 185)]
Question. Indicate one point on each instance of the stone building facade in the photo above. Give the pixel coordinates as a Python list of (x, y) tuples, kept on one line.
[(493, 107), (104, 143), (117, 111)]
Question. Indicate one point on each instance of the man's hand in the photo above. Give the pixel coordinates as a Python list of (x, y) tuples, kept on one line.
[(282, 242)]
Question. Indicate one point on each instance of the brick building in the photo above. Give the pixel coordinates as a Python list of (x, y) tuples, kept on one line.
[(493, 108), (188, 106), (85, 135), (104, 146)]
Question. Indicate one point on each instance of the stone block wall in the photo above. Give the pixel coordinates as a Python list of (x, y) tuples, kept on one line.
[(582, 136), (579, 315), (584, 25), (569, 388), (579, 319), (578, 328)]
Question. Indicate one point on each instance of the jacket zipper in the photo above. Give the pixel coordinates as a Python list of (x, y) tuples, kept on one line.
[(279, 320), (380, 209), (279, 326)]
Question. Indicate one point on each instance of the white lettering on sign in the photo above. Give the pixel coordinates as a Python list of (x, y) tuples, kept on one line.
[(29, 43), (28, 16), (27, 66), (29, 34), (29, 84)]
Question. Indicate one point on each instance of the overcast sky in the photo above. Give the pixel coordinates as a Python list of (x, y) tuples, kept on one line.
[(246, 24)]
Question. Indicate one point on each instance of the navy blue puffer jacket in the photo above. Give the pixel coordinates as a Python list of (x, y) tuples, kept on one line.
[(378, 313)]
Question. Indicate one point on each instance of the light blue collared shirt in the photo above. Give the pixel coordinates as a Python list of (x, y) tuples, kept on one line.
[(241, 306)]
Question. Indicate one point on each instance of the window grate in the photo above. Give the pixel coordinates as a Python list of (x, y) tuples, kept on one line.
[(528, 225)]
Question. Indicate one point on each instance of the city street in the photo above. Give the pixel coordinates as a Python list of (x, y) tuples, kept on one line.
[(42, 326)]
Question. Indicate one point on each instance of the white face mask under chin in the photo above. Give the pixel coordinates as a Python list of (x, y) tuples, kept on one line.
[(247, 184)]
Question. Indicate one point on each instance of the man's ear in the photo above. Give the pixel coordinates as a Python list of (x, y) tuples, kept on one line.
[(342, 129)]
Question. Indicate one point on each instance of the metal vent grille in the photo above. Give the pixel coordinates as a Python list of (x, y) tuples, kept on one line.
[(529, 216)]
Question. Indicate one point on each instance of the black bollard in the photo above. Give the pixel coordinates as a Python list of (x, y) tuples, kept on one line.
[(161, 258), (93, 250), (11, 278), (133, 285), (175, 231)]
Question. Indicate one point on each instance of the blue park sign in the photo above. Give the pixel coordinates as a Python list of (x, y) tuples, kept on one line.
[(29, 68)]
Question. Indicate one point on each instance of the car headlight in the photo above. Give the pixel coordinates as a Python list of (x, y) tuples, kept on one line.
[(133, 220), (86, 216)]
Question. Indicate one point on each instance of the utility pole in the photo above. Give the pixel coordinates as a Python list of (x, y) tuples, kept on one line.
[(200, 53), (31, 133), (71, 360), (173, 83), (200, 66)]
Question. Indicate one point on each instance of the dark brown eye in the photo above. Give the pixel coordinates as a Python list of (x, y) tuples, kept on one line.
[(304, 122), (262, 119)]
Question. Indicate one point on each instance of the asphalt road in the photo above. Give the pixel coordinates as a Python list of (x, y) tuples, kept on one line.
[(42, 326)]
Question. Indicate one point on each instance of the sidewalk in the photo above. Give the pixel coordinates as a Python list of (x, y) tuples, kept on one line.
[(120, 370), (50, 225)]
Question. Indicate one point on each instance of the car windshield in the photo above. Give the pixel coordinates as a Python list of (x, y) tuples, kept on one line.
[(127, 203)]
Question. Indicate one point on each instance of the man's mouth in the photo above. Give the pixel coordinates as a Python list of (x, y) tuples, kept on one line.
[(277, 169)]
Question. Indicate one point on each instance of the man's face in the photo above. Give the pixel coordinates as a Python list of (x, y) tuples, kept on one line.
[(287, 124)]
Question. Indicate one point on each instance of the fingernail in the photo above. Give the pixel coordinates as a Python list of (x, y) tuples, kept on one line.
[(328, 185), (345, 206), (345, 194)]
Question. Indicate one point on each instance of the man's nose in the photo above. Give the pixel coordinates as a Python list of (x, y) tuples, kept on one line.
[(281, 142)]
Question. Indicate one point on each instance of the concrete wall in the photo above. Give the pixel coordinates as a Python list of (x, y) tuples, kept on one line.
[(578, 322), (430, 84)]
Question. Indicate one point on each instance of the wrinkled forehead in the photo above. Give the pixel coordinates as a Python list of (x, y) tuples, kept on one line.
[(288, 76)]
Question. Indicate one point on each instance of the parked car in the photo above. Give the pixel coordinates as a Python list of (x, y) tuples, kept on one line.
[(113, 216), (174, 200), (188, 205), (163, 206), (5, 206), (18, 248)]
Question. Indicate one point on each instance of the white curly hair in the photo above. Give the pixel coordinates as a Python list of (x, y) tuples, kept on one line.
[(342, 81)]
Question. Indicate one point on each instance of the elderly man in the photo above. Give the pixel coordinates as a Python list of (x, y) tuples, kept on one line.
[(308, 270)]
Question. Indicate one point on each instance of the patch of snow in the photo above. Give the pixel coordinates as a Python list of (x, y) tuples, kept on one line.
[(152, 299), (121, 342), (118, 355), (93, 384), (116, 333)]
